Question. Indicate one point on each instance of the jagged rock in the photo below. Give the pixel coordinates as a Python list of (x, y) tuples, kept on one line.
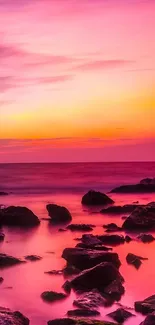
[(80, 227), (96, 198), (58, 214), (6, 260), (149, 320), (142, 218), (120, 315), (118, 209), (67, 287), (84, 258), (114, 290), (8, 317), (146, 306), (71, 321), (33, 258), (90, 300), (83, 313), (146, 238), (2, 236), (111, 240), (18, 216), (51, 296), (135, 260), (112, 227)]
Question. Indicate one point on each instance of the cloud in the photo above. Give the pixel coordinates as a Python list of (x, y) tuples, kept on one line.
[(6, 82), (102, 64)]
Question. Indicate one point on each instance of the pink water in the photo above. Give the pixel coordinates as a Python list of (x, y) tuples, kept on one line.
[(28, 281)]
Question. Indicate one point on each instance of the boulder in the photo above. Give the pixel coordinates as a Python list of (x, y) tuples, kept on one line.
[(6, 260), (83, 313), (2, 236), (149, 320), (91, 240), (112, 240), (76, 321), (118, 209), (8, 317), (146, 238), (33, 258), (120, 315), (135, 260), (18, 216), (99, 277), (51, 296), (85, 258), (112, 227), (142, 218), (96, 198), (146, 306), (80, 227), (58, 214)]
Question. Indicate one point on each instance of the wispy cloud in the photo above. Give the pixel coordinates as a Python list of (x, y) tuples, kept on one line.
[(102, 64)]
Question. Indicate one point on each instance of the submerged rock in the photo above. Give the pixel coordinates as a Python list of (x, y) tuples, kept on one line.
[(6, 260), (135, 260), (75, 321), (33, 258), (96, 198), (2, 236), (58, 214), (83, 312), (8, 317), (120, 315), (118, 209), (111, 240), (18, 216), (90, 300), (112, 227), (54, 272), (149, 320), (85, 258), (51, 296), (67, 287), (146, 238), (146, 306), (80, 227), (142, 218)]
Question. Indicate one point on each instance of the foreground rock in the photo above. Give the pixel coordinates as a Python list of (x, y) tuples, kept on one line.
[(51, 296), (18, 216), (84, 258), (96, 198), (114, 290), (71, 321), (99, 277), (83, 313), (58, 214), (6, 260), (80, 227), (112, 227), (146, 238), (90, 300), (142, 218), (120, 315), (112, 240), (146, 306), (2, 236), (8, 317), (145, 186), (135, 260), (149, 320), (33, 258), (118, 209)]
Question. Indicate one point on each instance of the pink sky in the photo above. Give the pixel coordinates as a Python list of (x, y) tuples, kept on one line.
[(77, 80)]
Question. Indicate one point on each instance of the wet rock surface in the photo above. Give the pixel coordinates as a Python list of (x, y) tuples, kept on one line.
[(146, 238), (112, 240), (80, 227), (112, 227), (149, 320), (51, 296), (96, 198), (72, 321), (95, 247), (83, 312), (8, 317), (18, 216), (114, 290), (7, 260), (120, 315), (90, 300), (146, 306), (58, 214), (142, 218), (135, 260)]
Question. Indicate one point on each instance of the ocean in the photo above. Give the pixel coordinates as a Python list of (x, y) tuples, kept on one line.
[(34, 186)]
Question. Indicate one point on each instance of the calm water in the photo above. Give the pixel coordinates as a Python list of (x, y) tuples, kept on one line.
[(34, 185)]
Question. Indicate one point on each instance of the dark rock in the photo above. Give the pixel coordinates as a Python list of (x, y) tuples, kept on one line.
[(90, 300), (51, 296), (118, 209), (98, 277), (142, 187), (54, 272), (7, 317), (120, 315), (85, 259), (18, 216), (75, 321), (83, 313), (33, 258), (95, 247), (135, 260), (1, 279), (70, 270), (2, 236), (80, 227), (149, 320), (58, 214), (91, 240), (96, 198), (6, 260), (3, 193), (146, 238), (124, 217), (112, 227), (111, 240), (148, 181), (62, 230), (114, 290), (46, 219), (128, 239), (67, 287), (146, 306), (142, 218)]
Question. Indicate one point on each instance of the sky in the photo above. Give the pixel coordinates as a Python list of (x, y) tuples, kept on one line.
[(77, 80)]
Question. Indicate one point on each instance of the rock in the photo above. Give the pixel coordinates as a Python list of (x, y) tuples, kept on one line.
[(118, 209), (75, 321), (67, 287), (85, 259), (146, 238), (90, 240), (33, 258), (18, 216), (3, 193), (6, 260), (90, 300), (146, 306), (62, 230), (83, 313), (8, 317), (95, 247), (2, 236), (51, 296), (148, 181), (142, 218), (96, 198), (98, 277), (114, 290), (128, 239), (142, 187), (54, 272), (149, 320), (112, 227), (80, 227), (58, 214), (111, 240), (70, 270), (1, 279), (120, 315), (135, 260)]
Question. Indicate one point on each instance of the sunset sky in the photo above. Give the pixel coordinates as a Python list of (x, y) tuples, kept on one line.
[(77, 80)]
